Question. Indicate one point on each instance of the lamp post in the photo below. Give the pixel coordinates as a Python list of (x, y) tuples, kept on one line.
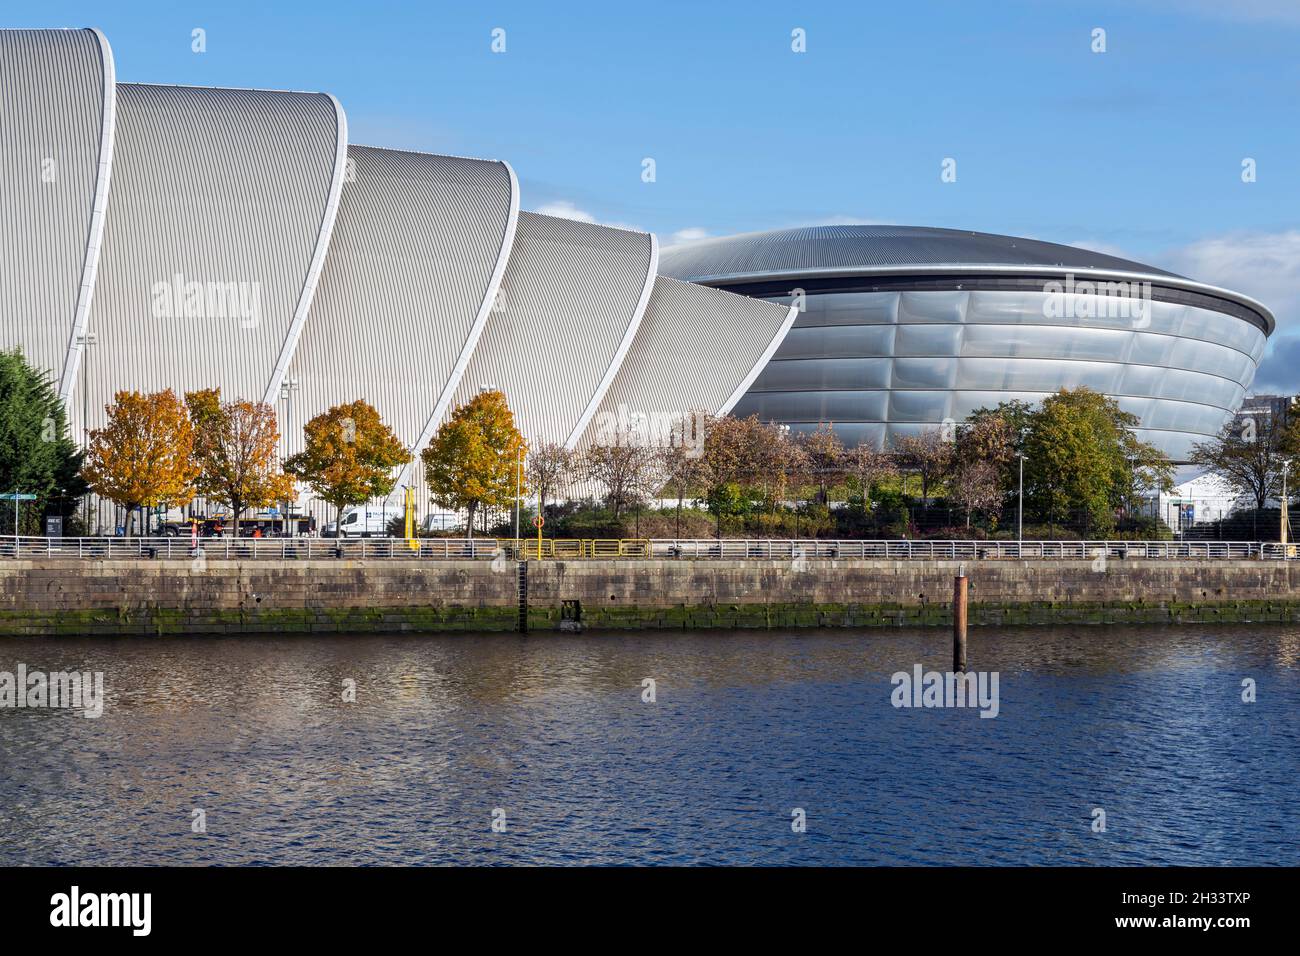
[(85, 341), (1285, 518), (1020, 507), (519, 480), (287, 387)]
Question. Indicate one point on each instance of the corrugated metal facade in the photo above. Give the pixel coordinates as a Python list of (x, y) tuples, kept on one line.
[(697, 349), (221, 209), (56, 134), (569, 305), (417, 250)]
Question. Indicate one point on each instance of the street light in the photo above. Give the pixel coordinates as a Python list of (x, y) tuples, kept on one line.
[(1020, 509), (287, 387), (85, 341)]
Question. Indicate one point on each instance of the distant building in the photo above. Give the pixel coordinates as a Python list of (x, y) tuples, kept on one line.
[(1264, 409), (1205, 498)]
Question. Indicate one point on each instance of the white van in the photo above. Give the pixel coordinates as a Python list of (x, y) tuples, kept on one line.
[(440, 521), (365, 521)]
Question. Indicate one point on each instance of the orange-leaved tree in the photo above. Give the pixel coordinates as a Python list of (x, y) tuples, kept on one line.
[(472, 461), (235, 445), (349, 456), (144, 455)]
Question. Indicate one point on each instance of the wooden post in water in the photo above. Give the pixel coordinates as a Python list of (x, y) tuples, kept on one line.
[(959, 624)]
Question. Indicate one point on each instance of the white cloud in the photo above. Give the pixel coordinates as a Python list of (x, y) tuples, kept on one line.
[(1262, 265), (689, 234), (563, 209), (1266, 267)]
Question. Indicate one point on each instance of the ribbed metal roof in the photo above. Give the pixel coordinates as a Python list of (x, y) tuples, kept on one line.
[(698, 349), (570, 302), (411, 263), (221, 209), (56, 135), (876, 250), (819, 248)]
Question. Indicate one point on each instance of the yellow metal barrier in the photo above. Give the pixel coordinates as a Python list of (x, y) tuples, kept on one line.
[(576, 548), (567, 548), (527, 548), (603, 547)]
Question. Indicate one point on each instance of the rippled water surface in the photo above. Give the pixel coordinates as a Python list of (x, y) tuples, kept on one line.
[(1145, 723)]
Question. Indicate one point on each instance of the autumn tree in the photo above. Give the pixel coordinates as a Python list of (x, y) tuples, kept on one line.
[(144, 455), (782, 462), (928, 454), (235, 447), (729, 447), (984, 447), (626, 468), (681, 460), (349, 456), (547, 470), (825, 456), (1250, 457), (471, 462), (868, 466), (36, 455), (731, 461), (1081, 455)]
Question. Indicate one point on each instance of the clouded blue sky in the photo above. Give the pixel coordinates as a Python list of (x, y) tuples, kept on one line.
[(1136, 151)]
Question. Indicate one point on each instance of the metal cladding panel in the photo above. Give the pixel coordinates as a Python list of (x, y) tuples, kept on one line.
[(917, 254), (56, 119), (221, 210), (881, 365), (697, 349), (411, 263), (570, 302)]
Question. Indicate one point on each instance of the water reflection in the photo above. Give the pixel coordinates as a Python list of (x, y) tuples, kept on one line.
[(1146, 723)]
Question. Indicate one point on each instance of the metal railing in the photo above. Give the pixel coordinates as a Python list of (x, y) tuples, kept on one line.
[(926, 549), (306, 548)]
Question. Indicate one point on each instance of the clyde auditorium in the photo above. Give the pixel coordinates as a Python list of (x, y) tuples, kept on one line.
[(183, 237)]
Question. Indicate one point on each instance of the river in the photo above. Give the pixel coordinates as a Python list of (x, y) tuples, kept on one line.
[(757, 748)]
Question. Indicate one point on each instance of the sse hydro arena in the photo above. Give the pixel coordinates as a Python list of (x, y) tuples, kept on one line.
[(180, 237), (902, 328)]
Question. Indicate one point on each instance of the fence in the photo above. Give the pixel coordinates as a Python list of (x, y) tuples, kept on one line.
[(626, 548)]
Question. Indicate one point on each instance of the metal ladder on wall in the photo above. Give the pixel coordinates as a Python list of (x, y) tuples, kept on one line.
[(523, 597)]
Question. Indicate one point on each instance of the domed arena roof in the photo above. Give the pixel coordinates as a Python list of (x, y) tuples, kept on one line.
[(888, 250)]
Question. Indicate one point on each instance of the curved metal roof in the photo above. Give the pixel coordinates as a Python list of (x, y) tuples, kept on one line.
[(222, 206), (570, 302), (414, 260), (698, 349), (57, 94), (875, 250)]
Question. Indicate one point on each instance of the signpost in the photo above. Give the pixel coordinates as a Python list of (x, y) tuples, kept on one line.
[(16, 497)]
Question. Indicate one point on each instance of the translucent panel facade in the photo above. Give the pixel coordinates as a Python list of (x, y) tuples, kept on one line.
[(884, 364)]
